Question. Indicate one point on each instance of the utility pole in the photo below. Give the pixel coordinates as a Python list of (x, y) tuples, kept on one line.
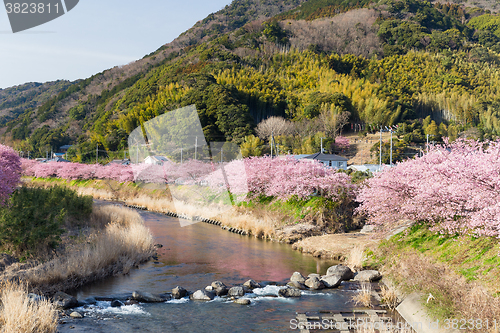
[(196, 148), (272, 143), (380, 153), (391, 147), (321, 151), (427, 143), (221, 160), (181, 155)]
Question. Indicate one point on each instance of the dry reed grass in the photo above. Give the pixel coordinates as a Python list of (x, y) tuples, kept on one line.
[(20, 314), (122, 244), (364, 296), (389, 296), (259, 223), (356, 258)]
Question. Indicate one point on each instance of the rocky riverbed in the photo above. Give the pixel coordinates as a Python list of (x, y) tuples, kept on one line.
[(93, 312)]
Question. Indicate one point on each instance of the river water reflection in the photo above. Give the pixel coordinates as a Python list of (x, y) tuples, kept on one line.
[(193, 257)]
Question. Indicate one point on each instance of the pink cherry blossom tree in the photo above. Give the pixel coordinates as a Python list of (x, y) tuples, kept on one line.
[(10, 172), (455, 188)]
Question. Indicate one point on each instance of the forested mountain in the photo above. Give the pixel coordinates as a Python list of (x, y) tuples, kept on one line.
[(431, 67)]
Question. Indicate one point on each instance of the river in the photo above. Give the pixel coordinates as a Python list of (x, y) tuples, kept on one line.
[(192, 257)]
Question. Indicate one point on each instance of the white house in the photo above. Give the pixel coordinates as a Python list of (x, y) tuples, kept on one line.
[(158, 160), (328, 160)]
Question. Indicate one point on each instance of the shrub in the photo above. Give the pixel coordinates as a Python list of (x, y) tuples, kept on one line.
[(34, 217)]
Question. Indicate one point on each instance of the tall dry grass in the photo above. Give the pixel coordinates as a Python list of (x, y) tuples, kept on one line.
[(356, 258), (389, 296), (123, 243), (259, 223), (20, 314), (364, 295)]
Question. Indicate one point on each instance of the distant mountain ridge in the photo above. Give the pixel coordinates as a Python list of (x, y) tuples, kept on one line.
[(387, 62)]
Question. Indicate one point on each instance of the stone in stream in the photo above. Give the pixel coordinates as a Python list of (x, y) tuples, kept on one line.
[(116, 303), (368, 276), (298, 277), (296, 284), (314, 275), (236, 291), (217, 284), (331, 281), (221, 291), (63, 301), (145, 297), (251, 284), (345, 272), (202, 295), (209, 288), (75, 314), (242, 301), (289, 292), (90, 301), (314, 283), (179, 292)]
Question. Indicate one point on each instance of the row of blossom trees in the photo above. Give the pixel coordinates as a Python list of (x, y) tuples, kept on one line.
[(455, 187), (280, 178)]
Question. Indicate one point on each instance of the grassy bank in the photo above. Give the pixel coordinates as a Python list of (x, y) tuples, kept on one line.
[(462, 273), (115, 240), (54, 239)]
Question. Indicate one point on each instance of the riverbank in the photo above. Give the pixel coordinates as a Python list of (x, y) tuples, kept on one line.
[(110, 242)]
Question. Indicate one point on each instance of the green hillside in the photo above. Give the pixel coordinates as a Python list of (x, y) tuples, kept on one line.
[(432, 68)]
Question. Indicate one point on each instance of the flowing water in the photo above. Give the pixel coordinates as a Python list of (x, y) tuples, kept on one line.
[(193, 257)]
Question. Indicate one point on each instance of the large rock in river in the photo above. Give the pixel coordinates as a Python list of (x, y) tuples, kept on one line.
[(296, 276), (242, 301), (296, 284), (289, 292), (145, 297), (64, 301), (221, 291), (236, 291), (251, 284), (202, 295), (331, 281), (368, 276), (314, 283), (345, 272), (217, 284), (179, 292)]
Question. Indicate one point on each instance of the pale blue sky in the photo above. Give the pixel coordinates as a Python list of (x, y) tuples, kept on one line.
[(94, 36)]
